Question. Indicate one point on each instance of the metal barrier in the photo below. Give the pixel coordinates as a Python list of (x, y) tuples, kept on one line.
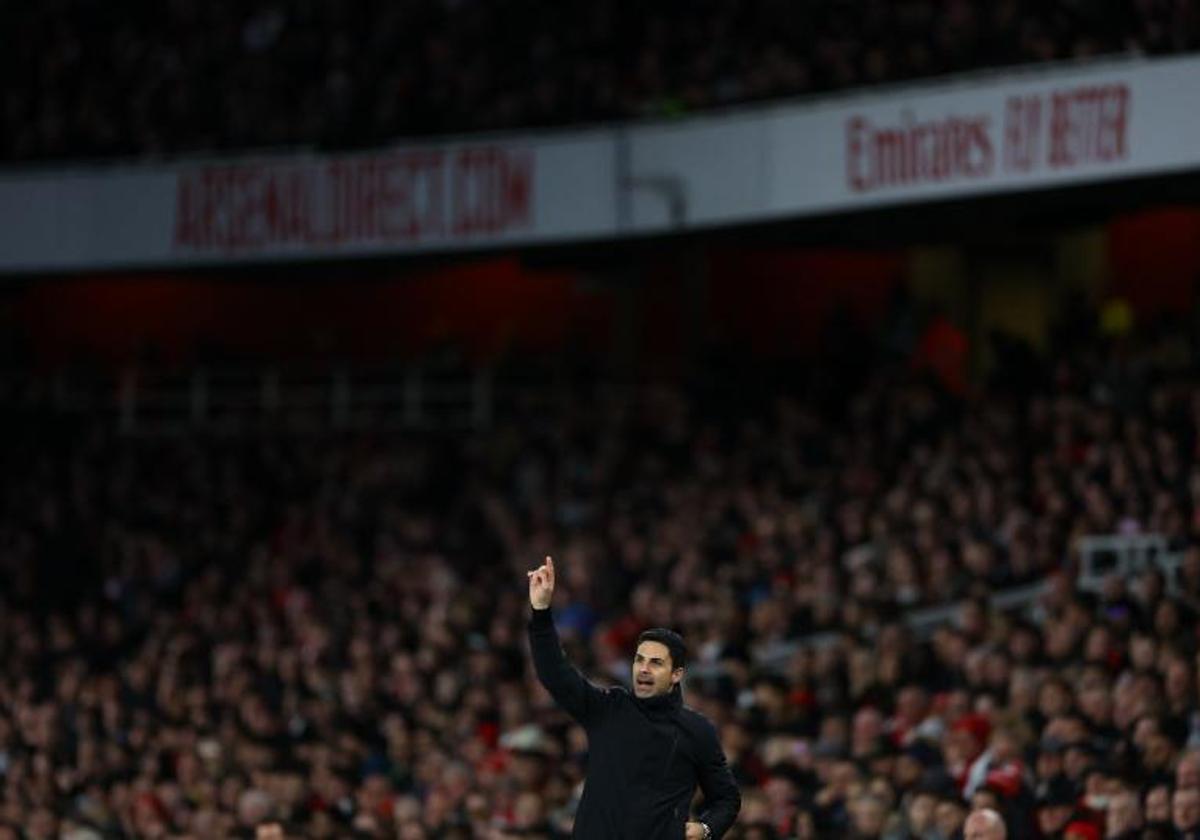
[(240, 399), (1125, 555)]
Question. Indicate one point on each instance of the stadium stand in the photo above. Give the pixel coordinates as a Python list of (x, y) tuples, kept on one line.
[(911, 590), (88, 80), (202, 634)]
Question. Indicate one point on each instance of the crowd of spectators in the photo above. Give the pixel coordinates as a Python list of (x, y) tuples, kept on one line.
[(201, 636), (89, 80)]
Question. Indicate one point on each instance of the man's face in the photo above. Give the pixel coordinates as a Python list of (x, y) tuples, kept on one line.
[(948, 817), (1052, 818), (1185, 808), (1122, 813), (920, 812), (1158, 804), (1187, 772), (869, 814), (652, 672), (983, 825)]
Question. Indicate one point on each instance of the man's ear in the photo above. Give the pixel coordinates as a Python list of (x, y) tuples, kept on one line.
[(676, 676)]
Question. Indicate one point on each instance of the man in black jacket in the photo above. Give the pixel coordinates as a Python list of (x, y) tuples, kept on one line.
[(646, 750)]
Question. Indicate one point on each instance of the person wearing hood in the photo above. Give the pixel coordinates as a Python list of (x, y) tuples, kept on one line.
[(647, 751)]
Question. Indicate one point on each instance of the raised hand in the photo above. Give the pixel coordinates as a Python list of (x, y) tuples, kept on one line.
[(541, 585)]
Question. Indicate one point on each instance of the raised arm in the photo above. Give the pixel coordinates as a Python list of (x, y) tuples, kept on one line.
[(578, 697)]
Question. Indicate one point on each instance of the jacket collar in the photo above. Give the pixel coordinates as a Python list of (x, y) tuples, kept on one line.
[(662, 705)]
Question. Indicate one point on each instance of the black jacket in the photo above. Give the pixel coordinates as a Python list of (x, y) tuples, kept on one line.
[(645, 757)]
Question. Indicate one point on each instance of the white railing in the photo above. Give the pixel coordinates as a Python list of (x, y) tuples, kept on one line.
[(1124, 555), (238, 400)]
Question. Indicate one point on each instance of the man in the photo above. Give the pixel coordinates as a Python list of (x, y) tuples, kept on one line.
[(1185, 813), (1187, 771), (1122, 816), (646, 750), (949, 815), (868, 817), (984, 824), (1156, 805), (1056, 800), (919, 814)]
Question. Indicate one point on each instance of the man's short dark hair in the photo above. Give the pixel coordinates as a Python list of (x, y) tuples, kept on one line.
[(673, 642)]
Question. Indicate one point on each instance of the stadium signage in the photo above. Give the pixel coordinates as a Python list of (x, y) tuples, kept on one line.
[(398, 197), (1029, 129), (1058, 129), (913, 151)]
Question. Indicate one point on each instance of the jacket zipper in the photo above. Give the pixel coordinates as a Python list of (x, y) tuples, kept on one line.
[(671, 755)]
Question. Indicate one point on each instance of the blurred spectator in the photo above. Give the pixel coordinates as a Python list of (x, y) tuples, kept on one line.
[(205, 635), (1123, 817), (984, 824), (1156, 805), (93, 80), (1185, 813)]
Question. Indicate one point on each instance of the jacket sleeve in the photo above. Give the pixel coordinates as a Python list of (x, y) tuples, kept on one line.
[(722, 799), (579, 698)]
